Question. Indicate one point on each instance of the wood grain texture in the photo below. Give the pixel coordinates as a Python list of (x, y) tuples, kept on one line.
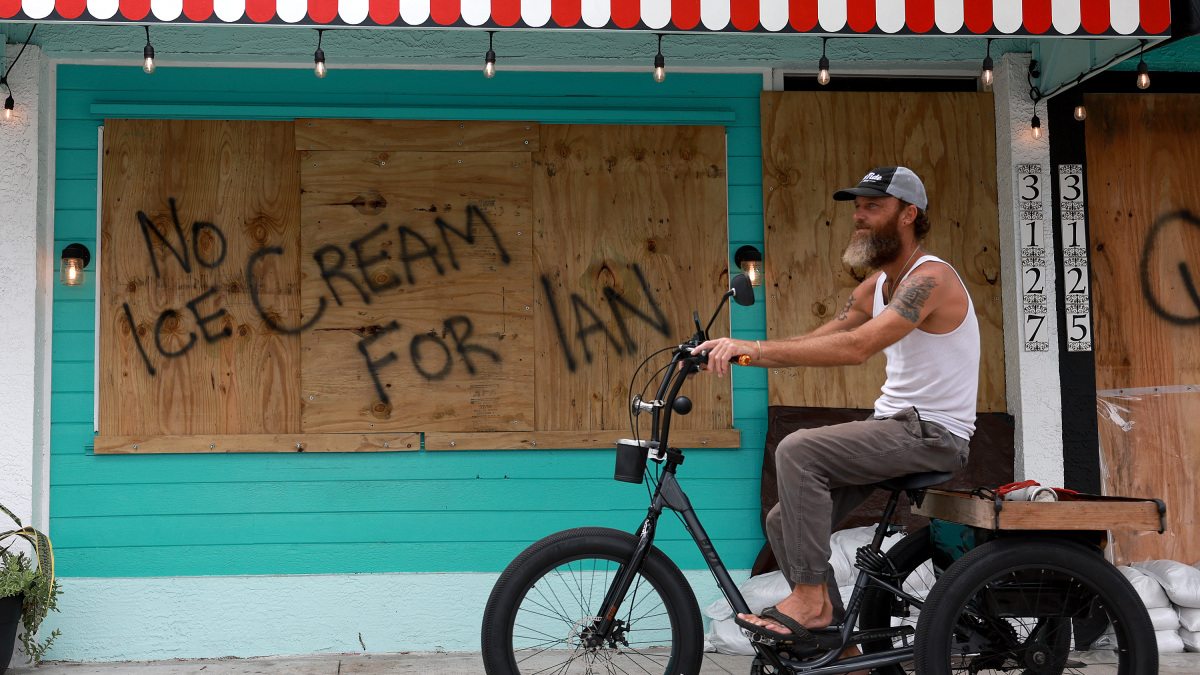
[(718, 438), (242, 443), (962, 508), (815, 143), (1144, 215), (416, 135), (631, 235), (235, 190), (421, 264)]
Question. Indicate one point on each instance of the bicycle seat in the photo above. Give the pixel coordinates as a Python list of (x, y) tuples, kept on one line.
[(915, 481)]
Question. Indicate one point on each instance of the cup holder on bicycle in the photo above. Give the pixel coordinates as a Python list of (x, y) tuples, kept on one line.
[(631, 459)]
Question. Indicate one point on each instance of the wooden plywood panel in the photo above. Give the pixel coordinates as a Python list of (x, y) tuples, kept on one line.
[(417, 291), (412, 135), (1144, 215), (240, 443), (603, 440), (815, 143), (183, 346), (630, 237)]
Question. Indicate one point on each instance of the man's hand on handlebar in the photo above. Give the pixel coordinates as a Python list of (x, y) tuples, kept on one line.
[(723, 350)]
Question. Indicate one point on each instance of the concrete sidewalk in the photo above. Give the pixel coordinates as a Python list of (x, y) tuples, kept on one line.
[(458, 663)]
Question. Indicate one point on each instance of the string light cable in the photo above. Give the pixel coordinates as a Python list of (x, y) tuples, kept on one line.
[(9, 103), (1124, 56), (1035, 95)]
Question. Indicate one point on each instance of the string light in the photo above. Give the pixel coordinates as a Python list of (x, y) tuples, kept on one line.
[(1143, 71), (1036, 125), (1080, 112), (823, 65), (660, 63), (148, 54), (1035, 95), (986, 77), (489, 60), (9, 104), (319, 56)]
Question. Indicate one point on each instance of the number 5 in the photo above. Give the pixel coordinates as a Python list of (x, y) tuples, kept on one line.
[(1082, 326)]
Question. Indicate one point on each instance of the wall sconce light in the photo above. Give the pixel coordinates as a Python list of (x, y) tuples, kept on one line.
[(750, 261), (75, 257)]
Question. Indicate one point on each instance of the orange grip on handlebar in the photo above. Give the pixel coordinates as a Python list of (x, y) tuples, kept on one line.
[(743, 360)]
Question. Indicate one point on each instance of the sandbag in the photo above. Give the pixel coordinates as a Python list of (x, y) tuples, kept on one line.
[(1189, 618), (726, 637), (1149, 590), (1169, 641), (760, 592), (1164, 618), (1191, 639), (1180, 581)]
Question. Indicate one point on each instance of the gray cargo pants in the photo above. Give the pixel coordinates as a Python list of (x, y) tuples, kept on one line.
[(826, 473)]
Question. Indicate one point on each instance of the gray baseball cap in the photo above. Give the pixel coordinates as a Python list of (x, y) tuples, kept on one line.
[(889, 181)]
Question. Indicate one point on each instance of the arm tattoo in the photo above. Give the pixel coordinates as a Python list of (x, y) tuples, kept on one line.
[(911, 297), (846, 309)]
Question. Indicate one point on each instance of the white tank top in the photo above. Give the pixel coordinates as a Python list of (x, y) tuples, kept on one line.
[(937, 374)]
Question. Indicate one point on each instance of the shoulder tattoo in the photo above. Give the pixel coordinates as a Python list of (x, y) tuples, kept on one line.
[(912, 296), (846, 309)]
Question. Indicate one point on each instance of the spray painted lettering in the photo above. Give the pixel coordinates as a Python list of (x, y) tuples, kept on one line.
[(1176, 315)]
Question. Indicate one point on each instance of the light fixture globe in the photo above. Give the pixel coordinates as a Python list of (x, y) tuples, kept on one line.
[(750, 261), (75, 257)]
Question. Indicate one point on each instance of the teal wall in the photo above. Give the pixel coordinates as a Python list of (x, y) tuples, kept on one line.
[(172, 515)]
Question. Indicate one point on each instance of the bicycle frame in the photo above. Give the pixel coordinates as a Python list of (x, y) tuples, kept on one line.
[(670, 495)]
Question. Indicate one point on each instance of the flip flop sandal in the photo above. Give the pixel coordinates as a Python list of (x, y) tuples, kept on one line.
[(799, 638)]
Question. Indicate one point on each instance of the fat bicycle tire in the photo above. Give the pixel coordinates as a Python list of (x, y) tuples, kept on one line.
[(879, 606), (1007, 606), (541, 608)]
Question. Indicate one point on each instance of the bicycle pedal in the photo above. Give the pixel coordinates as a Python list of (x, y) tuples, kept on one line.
[(873, 634)]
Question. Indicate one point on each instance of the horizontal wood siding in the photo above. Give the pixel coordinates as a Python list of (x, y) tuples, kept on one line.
[(171, 515)]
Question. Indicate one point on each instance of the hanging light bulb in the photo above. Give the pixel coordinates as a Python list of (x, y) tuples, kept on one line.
[(319, 56), (1143, 70), (1080, 112), (823, 65), (148, 54), (489, 60), (1036, 125), (986, 77), (9, 104), (660, 63)]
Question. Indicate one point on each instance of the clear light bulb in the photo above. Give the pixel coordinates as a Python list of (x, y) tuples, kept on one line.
[(1080, 113), (148, 56), (660, 67), (320, 70), (8, 108), (489, 65), (987, 80), (823, 74), (1143, 76), (1037, 133), (148, 65), (1036, 125)]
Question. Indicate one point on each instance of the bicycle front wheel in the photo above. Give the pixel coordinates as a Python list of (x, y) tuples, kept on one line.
[(542, 614), (1010, 606)]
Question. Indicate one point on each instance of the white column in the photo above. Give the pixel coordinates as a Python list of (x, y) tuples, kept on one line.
[(1031, 377), (18, 279)]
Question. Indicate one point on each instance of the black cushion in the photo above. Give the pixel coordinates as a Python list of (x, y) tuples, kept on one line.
[(916, 481)]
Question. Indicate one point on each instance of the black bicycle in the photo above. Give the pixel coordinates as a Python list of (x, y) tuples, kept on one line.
[(592, 600)]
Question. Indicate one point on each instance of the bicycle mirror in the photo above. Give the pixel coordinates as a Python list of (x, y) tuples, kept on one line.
[(743, 292)]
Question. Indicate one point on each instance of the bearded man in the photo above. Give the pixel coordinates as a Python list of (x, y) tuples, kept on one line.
[(916, 310)]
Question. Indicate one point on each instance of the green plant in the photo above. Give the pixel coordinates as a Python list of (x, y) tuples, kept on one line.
[(33, 579)]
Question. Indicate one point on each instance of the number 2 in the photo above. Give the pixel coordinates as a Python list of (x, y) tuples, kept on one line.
[(1035, 286)]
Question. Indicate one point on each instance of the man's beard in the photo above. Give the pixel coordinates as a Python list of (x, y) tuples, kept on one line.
[(874, 249)]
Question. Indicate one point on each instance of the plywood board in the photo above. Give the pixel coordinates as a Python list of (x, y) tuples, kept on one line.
[(717, 438), (416, 135), (1144, 215), (815, 143), (417, 291), (183, 347), (963, 508), (630, 236), (241, 443)]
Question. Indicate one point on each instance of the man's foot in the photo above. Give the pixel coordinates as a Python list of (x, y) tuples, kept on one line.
[(852, 650), (808, 605)]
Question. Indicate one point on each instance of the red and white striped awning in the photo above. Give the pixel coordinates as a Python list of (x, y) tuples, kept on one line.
[(1080, 18)]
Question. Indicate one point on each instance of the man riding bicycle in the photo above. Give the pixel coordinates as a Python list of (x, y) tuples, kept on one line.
[(916, 310)]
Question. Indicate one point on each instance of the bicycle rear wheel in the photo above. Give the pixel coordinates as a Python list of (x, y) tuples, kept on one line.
[(542, 613), (1009, 605)]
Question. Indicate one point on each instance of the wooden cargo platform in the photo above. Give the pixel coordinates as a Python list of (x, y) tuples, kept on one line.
[(1072, 512)]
